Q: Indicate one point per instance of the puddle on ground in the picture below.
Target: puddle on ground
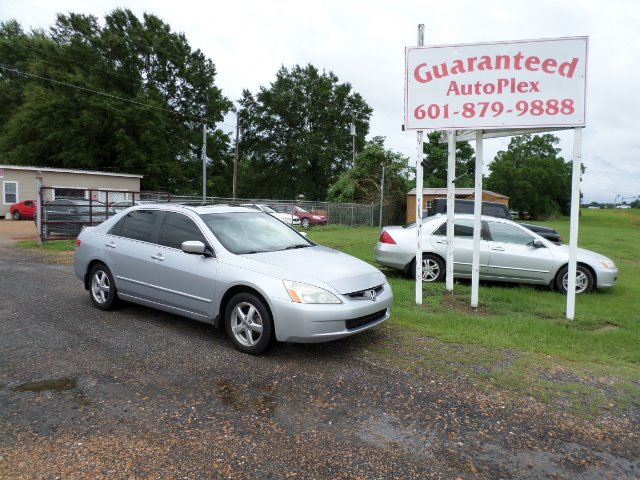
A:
(56, 385)
(387, 431)
(242, 399)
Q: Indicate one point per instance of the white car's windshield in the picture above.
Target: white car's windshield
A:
(244, 233)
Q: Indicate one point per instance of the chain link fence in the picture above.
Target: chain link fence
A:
(62, 213)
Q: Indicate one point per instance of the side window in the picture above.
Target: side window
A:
(177, 228)
(10, 192)
(501, 232)
(137, 225)
(461, 228)
(29, 203)
(494, 211)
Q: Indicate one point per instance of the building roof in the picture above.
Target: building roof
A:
(458, 191)
(68, 170)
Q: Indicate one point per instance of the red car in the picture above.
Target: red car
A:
(24, 209)
(306, 218)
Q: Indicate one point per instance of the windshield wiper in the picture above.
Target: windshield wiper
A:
(293, 247)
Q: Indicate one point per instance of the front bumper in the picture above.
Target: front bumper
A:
(606, 278)
(314, 323)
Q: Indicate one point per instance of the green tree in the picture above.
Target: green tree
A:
(532, 175)
(363, 183)
(296, 136)
(77, 118)
(435, 175)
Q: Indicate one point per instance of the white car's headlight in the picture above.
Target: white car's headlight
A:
(303, 293)
(606, 263)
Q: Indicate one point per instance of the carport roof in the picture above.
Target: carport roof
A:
(69, 170)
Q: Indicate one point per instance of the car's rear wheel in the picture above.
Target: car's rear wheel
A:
(584, 279)
(432, 268)
(249, 324)
(16, 215)
(102, 288)
(305, 223)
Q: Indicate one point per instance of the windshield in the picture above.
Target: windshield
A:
(249, 232)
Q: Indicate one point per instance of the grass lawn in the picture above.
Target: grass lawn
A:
(519, 336)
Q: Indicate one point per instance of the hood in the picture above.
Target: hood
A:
(584, 255)
(318, 264)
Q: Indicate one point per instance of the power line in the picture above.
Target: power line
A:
(109, 95)
(89, 90)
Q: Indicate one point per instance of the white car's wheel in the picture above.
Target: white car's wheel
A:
(248, 323)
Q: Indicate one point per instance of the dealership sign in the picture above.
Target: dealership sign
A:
(522, 84)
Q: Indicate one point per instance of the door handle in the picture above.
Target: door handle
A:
(498, 249)
(110, 245)
(158, 256)
(441, 241)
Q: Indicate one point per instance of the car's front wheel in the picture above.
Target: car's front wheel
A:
(305, 223)
(102, 288)
(249, 324)
(584, 279)
(16, 215)
(432, 268)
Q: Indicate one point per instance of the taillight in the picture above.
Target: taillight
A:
(78, 242)
(386, 238)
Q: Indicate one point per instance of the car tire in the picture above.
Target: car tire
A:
(102, 288)
(584, 279)
(433, 269)
(16, 215)
(305, 223)
(248, 323)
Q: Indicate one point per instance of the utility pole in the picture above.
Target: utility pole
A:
(204, 163)
(353, 136)
(235, 157)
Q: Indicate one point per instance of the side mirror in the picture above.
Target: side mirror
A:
(304, 234)
(193, 246)
(537, 243)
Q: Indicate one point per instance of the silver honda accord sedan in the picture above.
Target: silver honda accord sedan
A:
(509, 252)
(231, 266)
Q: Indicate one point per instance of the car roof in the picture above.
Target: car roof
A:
(199, 209)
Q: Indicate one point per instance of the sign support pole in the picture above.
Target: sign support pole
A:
(451, 186)
(477, 221)
(573, 230)
(419, 184)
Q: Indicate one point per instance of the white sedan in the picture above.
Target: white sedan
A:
(509, 252)
(283, 217)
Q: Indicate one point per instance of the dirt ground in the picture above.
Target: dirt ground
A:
(12, 231)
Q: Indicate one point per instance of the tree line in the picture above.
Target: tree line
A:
(129, 95)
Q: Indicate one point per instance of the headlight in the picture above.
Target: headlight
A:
(303, 293)
(606, 263)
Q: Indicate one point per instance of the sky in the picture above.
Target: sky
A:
(363, 43)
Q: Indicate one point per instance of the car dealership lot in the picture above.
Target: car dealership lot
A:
(144, 394)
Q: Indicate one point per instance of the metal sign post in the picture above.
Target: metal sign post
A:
(419, 181)
(451, 188)
(573, 229)
(477, 221)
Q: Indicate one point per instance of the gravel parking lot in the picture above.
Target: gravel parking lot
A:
(138, 393)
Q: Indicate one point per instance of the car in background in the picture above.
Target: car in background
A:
(307, 219)
(287, 218)
(509, 252)
(493, 209)
(117, 206)
(23, 209)
(68, 216)
(233, 267)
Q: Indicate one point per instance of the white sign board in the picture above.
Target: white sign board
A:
(533, 83)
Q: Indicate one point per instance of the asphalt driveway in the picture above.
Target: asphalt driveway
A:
(138, 393)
